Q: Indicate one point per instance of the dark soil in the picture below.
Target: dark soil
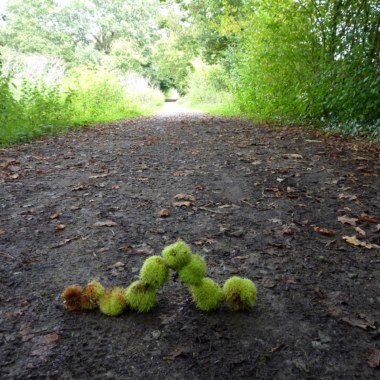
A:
(267, 203)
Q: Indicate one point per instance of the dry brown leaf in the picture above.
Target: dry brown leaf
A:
(51, 338)
(292, 156)
(12, 315)
(347, 196)
(364, 217)
(347, 220)
(360, 231)
(361, 323)
(182, 204)
(104, 175)
(324, 231)
(25, 332)
(60, 227)
(374, 358)
(277, 348)
(175, 353)
(80, 186)
(184, 197)
(267, 283)
(106, 223)
(164, 213)
(182, 173)
(353, 240)
(204, 241)
(54, 216)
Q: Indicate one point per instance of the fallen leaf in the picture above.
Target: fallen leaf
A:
(356, 322)
(60, 227)
(184, 197)
(54, 216)
(374, 358)
(364, 217)
(80, 186)
(45, 344)
(292, 156)
(182, 173)
(164, 213)
(66, 241)
(277, 348)
(324, 231)
(51, 338)
(347, 196)
(25, 332)
(347, 220)
(268, 284)
(102, 175)
(353, 240)
(117, 265)
(106, 223)
(182, 204)
(364, 169)
(179, 351)
(204, 241)
(12, 315)
(360, 231)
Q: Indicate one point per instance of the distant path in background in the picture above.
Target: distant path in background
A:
(173, 108)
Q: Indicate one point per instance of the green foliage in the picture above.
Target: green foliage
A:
(140, 296)
(239, 293)
(172, 64)
(98, 96)
(34, 107)
(154, 272)
(112, 302)
(208, 90)
(177, 255)
(207, 294)
(193, 272)
(296, 61)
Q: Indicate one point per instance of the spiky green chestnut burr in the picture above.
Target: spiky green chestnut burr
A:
(193, 272)
(154, 271)
(91, 294)
(72, 297)
(177, 255)
(112, 302)
(140, 296)
(240, 293)
(207, 294)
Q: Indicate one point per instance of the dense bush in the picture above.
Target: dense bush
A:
(305, 61)
(35, 106)
(208, 89)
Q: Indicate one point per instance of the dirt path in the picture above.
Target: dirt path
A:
(267, 203)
